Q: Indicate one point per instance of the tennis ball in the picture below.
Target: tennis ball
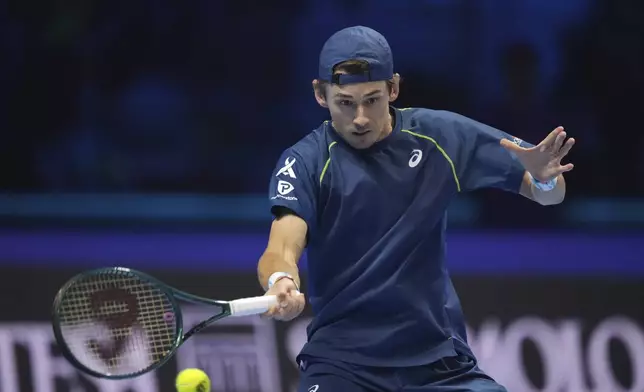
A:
(192, 380)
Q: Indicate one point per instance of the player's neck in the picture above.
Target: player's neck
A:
(386, 131)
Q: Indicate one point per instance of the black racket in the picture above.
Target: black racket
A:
(120, 323)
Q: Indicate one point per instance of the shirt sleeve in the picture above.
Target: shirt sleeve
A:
(481, 160)
(293, 187)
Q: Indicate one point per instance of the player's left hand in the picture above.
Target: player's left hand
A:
(543, 161)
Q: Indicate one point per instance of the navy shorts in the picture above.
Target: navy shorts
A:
(452, 374)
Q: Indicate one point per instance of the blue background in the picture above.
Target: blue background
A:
(144, 133)
(499, 253)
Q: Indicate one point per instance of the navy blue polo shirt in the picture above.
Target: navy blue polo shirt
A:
(377, 282)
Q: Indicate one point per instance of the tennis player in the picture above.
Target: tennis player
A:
(367, 194)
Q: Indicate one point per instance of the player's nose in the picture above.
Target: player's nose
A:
(360, 121)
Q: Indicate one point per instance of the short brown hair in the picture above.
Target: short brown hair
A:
(351, 67)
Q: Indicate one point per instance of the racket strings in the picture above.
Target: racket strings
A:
(117, 323)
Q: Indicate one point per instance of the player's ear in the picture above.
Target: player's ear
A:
(319, 89)
(394, 87)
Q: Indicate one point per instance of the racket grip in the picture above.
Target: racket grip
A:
(252, 305)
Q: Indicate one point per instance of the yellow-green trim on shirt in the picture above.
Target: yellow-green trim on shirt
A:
(442, 151)
(328, 161)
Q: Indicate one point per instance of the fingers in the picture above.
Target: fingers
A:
(566, 168)
(269, 313)
(289, 305)
(566, 148)
(548, 142)
(294, 305)
(560, 170)
(559, 141)
(281, 303)
(293, 309)
(562, 152)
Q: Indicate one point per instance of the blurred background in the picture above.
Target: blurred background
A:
(143, 134)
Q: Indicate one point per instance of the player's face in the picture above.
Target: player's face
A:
(360, 112)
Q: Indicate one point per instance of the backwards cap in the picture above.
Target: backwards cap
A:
(356, 43)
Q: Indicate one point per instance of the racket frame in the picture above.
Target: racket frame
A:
(173, 295)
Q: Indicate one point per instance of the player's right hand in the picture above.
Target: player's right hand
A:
(290, 302)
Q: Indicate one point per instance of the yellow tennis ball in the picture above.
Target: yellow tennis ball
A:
(192, 380)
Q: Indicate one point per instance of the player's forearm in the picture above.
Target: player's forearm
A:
(551, 197)
(272, 262)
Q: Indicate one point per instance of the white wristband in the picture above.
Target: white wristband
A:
(280, 275)
(544, 186)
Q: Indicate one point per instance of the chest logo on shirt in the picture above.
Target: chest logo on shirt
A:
(284, 187)
(416, 156)
(287, 169)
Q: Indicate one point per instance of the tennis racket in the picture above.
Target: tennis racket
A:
(119, 323)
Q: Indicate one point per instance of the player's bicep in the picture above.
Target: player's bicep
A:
(293, 187)
(483, 162)
(287, 237)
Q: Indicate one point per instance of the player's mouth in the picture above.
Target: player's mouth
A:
(361, 133)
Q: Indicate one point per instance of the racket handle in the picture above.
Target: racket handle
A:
(252, 305)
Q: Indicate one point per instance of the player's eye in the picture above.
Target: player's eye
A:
(346, 102)
(371, 101)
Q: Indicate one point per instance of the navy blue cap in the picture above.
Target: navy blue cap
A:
(356, 43)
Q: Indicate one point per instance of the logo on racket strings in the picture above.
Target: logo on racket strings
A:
(120, 320)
